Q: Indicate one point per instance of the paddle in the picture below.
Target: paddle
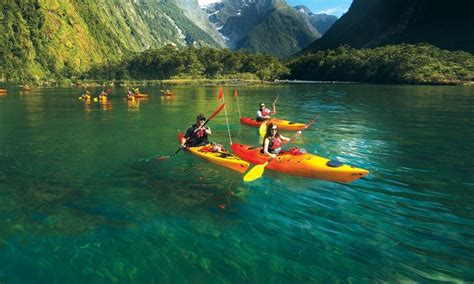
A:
(209, 119)
(275, 101)
(257, 171)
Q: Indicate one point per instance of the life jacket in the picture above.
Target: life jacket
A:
(200, 133)
(265, 112)
(274, 144)
(196, 138)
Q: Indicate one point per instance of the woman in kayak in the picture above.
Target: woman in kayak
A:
(264, 113)
(273, 141)
(196, 135)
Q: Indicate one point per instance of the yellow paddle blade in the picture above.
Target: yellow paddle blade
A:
(263, 129)
(96, 99)
(255, 172)
(79, 98)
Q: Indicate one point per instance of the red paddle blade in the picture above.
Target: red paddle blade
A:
(162, 158)
(216, 112)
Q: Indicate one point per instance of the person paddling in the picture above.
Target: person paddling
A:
(86, 95)
(103, 95)
(264, 113)
(273, 141)
(196, 135)
(130, 95)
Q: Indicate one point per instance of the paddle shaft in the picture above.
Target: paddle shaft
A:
(275, 101)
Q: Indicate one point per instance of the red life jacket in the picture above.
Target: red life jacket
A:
(276, 143)
(265, 112)
(200, 133)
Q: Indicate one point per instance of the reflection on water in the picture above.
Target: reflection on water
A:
(79, 200)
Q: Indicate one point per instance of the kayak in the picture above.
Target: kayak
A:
(282, 124)
(222, 158)
(299, 164)
(141, 96)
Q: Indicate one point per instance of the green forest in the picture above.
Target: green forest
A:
(191, 63)
(405, 64)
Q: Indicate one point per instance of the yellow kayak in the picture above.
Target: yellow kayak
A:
(222, 158)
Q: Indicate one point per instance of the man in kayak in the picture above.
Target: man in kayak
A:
(264, 113)
(196, 135)
(273, 141)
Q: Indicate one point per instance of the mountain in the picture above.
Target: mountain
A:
(370, 23)
(267, 26)
(322, 22)
(193, 12)
(42, 38)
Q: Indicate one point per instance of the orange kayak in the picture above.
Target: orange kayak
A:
(298, 164)
(282, 124)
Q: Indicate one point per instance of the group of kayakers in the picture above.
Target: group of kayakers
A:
(197, 134)
(132, 94)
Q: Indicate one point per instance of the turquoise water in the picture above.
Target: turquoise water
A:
(80, 200)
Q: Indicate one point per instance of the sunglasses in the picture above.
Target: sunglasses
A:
(262, 105)
(274, 129)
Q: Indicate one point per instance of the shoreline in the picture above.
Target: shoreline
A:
(209, 82)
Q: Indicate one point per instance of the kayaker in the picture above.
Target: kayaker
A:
(102, 95)
(86, 95)
(196, 135)
(130, 95)
(264, 113)
(273, 141)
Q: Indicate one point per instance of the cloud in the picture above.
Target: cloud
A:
(338, 11)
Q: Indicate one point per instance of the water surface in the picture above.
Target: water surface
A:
(80, 200)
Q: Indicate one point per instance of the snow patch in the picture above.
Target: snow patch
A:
(204, 3)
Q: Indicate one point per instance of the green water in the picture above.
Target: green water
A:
(80, 202)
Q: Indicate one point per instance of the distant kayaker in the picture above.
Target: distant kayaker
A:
(130, 95)
(264, 113)
(196, 135)
(273, 141)
(86, 95)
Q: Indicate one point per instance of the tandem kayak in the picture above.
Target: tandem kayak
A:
(282, 124)
(305, 165)
(222, 158)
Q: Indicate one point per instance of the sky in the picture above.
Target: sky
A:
(331, 7)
